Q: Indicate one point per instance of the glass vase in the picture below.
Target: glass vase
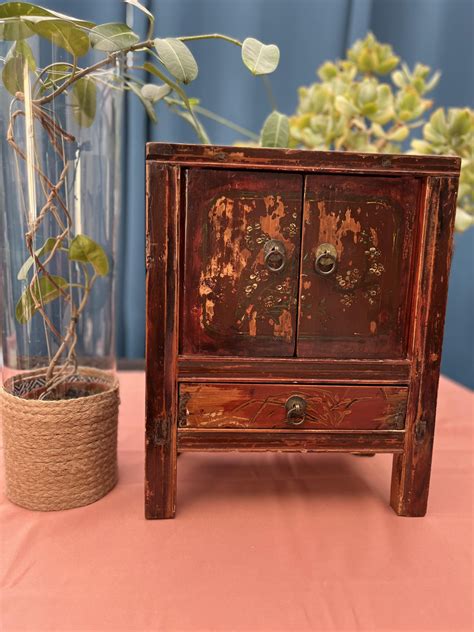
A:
(60, 189)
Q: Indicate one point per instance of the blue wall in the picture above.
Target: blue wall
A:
(435, 32)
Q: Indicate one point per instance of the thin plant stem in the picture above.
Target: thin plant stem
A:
(226, 38)
(198, 126)
(217, 118)
(270, 94)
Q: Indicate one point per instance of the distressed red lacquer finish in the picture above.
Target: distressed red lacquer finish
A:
(233, 302)
(266, 406)
(295, 301)
(360, 309)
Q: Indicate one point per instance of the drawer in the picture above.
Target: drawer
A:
(286, 406)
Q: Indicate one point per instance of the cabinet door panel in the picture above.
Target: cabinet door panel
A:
(356, 305)
(235, 301)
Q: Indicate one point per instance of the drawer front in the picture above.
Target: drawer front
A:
(242, 251)
(354, 300)
(290, 407)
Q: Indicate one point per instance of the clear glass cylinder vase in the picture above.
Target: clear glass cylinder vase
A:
(60, 190)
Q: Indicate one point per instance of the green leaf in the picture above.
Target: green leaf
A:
(459, 122)
(260, 59)
(44, 290)
(438, 122)
(463, 220)
(12, 74)
(431, 135)
(55, 74)
(147, 104)
(177, 59)
(433, 82)
(152, 69)
(112, 37)
(421, 146)
(16, 18)
(86, 250)
(142, 8)
(399, 134)
(367, 92)
(14, 29)
(327, 71)
(18, 57)
(63, 33)
(24, 49)
(150, 16)
(25, 9)
(275, 131)
(378, 130)
(45, 249)
(398, 79)
(344, 106)
(155, 93)
(84, 101)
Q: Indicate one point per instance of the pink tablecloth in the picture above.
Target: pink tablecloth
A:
(260, 542)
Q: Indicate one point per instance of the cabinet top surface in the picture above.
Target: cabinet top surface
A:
(301, 160)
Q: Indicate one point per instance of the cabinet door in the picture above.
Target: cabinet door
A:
(357, 266)
(241, 262)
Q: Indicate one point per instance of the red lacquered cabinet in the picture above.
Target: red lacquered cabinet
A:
(295, 302)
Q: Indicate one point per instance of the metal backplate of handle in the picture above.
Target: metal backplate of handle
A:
(325, 261)
(295, 410)
(275, 255)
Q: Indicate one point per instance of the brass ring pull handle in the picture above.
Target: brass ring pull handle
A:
(326, 259)
(275, 255)
(295, 410)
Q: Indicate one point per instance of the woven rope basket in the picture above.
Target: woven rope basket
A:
(60, 454)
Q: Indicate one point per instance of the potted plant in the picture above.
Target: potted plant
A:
(371, 102)
(61, 94)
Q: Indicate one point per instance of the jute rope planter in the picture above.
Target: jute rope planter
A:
(60, 454)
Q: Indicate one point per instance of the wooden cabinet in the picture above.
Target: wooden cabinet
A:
(295, 301)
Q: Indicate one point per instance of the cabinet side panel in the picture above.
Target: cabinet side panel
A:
(411, 471)
(161, 338)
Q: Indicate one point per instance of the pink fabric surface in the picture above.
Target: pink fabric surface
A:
(268, 542)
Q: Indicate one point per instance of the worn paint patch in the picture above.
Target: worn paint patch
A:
(228, 260)
(236, 288)
(374, 237)
(252, 322)
(334, 226)
(283, 328)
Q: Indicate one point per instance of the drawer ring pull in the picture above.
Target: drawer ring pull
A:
(295, 410)
(275, 255)
(326, 259)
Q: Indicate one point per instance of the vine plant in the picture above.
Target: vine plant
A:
(34, 90)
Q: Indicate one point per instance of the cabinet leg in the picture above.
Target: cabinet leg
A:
(411, 478)
(160, 488)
